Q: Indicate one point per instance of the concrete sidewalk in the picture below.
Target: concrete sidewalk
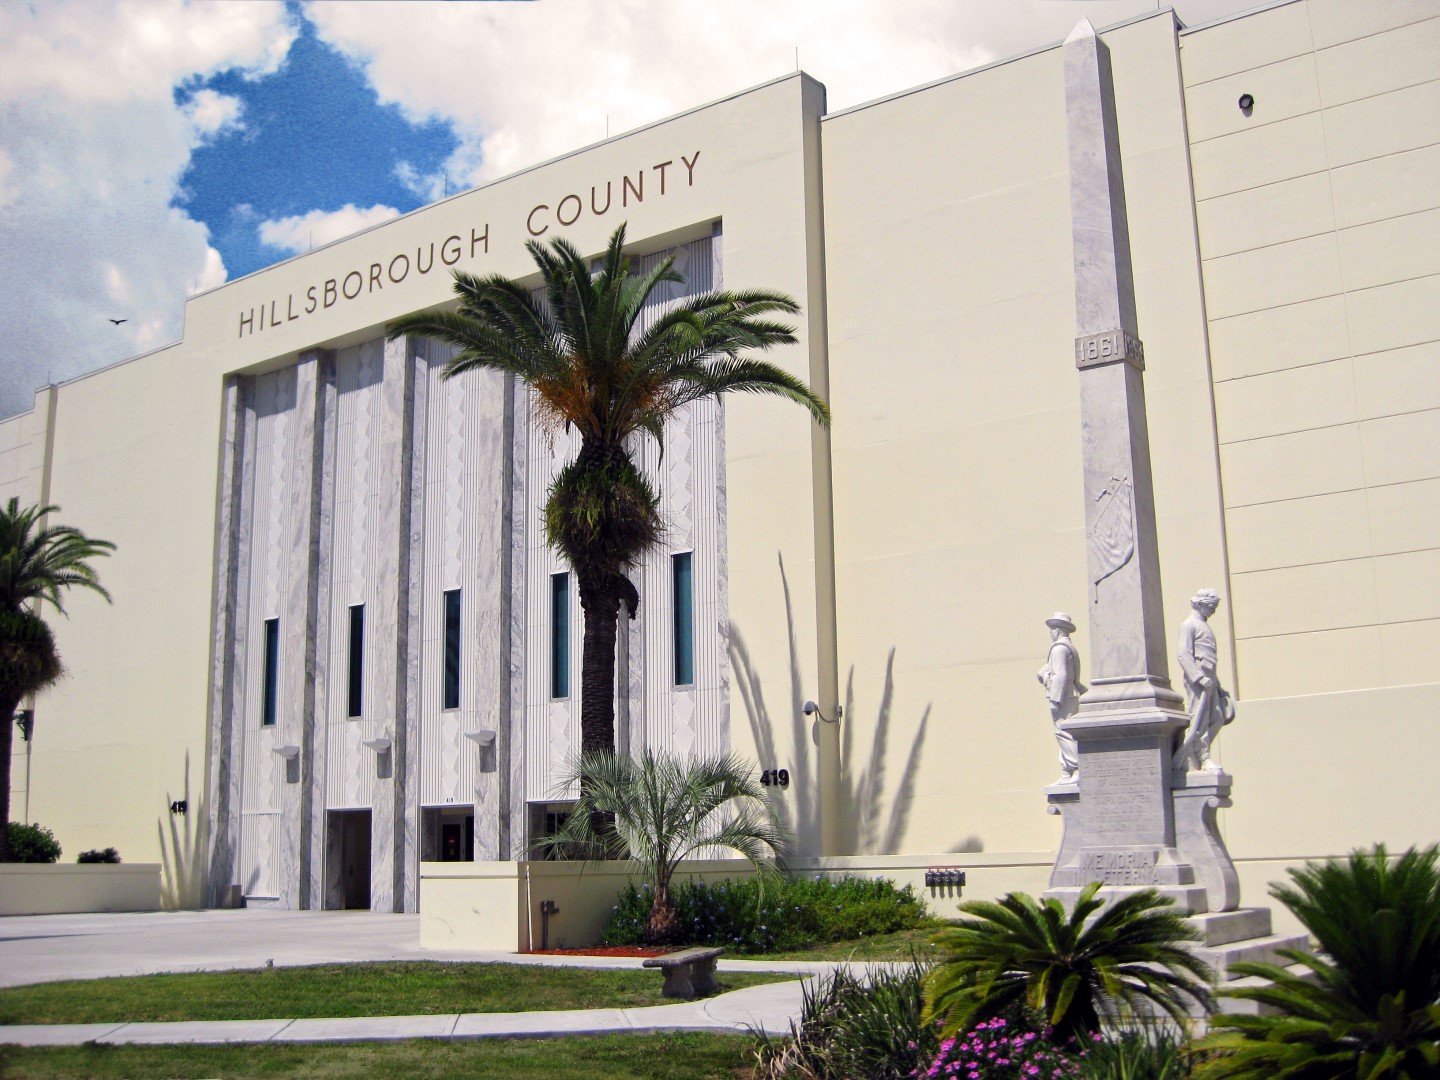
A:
(768, 1008)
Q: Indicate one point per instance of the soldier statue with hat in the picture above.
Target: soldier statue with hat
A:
(1061, 678)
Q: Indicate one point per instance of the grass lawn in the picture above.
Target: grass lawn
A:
(900, 945)
(330, 990)
(666, 1056)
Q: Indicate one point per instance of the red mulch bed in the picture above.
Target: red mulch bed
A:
(602, 950)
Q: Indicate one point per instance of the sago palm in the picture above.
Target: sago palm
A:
(1369, 1005)
(1070, 968)
(592, 368)
(37, 565)
(659, 808)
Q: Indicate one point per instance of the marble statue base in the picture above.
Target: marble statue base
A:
(1196, 871)
(1196, 797)
(1121, 815)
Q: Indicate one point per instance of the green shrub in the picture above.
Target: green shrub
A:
(749, 916)
(1137, 1052)
(33, 843)
(1369, 1004)
(852, 1028)
(96, 855)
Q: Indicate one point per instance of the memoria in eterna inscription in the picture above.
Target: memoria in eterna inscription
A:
(1120, 867)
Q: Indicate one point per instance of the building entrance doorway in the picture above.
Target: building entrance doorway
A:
(348, 852)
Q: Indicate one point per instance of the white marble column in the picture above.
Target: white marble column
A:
(409, 644)
(310, 542)
(227, 651)
(390, 626)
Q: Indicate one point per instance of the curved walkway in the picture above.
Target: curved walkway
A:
(47, 948)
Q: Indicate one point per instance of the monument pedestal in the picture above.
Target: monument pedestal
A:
(1130, 822)
(1120, 818)
(1196, 796)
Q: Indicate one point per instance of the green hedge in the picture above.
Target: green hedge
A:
(789, 913)
(33, 843)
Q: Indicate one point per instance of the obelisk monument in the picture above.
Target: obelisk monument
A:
(1119, 819)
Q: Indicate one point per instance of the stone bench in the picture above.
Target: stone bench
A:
(689, 973)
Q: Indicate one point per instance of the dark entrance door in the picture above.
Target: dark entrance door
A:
(350, 845)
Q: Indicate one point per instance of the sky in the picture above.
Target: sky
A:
(153, 149)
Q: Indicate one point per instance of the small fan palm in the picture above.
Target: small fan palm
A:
(37, 564)
(659, 808)
(1071, 969)
(1369, 1006)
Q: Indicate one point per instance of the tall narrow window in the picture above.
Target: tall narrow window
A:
(452, 649)
(272, 673)
(559, 635)
(357, 661)
(682, 572)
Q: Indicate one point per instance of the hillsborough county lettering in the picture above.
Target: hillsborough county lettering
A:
(452, 249)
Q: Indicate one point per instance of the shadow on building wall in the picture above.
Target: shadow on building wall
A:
(863, 791)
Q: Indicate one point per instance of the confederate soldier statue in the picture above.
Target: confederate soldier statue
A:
(1061, 678)
(1210, 706)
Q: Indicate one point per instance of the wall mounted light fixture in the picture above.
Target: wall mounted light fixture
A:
(811, 709)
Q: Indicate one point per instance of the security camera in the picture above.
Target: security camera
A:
(809, 708)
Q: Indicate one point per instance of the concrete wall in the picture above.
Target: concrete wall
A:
(959, 512)
(496, 905)
(1319, 221)
(1319, 216)
(60, 889)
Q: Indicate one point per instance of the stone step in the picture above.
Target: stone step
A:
(1245, 1007)
(1225, 927)
(1263, 950)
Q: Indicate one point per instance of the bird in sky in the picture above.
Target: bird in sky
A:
(117, 322)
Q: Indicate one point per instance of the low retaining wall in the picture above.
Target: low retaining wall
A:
(497, 905)
(71, 888)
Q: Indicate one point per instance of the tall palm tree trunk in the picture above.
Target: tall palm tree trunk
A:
(9, 702)
(600, 602)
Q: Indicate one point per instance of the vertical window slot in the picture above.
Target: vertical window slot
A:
(357, 661)
(452, 649)
(270, 698)
(682, 572)
(559, 635)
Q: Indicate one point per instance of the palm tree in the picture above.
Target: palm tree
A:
(1072, 970)
(1371, 1006)
(659, 808)
(590, 367)
(37, 563)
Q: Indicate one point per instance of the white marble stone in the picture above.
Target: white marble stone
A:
(1120, 827)
(1198, 796)
(220, 819)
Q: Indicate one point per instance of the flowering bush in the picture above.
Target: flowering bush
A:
(1001, 1049)
(790, 913)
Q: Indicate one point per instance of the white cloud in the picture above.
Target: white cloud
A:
(307, 231)
(211, 113)
(96, 146)
(520, 83)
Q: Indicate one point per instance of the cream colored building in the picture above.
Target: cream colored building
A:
(283, 466)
